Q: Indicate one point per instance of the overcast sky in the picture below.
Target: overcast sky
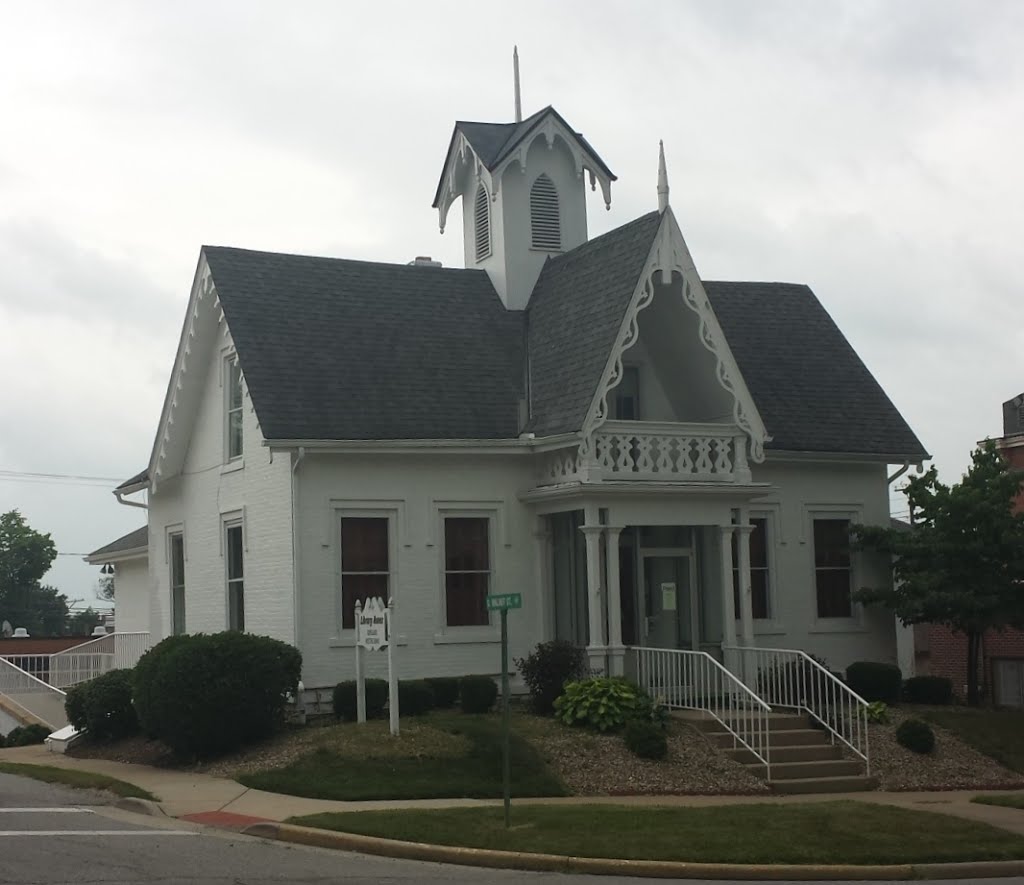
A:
(869, 149)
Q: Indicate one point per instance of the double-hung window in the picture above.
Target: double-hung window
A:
(365, 563)
(177, 558)
(467, 570)
(760, 580)
(233, 402)
(833, 572)
(233, 549)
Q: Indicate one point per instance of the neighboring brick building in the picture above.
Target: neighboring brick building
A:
(944, 653)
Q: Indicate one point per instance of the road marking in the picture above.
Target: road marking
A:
(97, 833)
(37, 810)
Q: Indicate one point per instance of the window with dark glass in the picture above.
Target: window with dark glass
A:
(627, 395)
(760, 600)
(234, 410)
(832, 567)
(177, 583)
(364, 563)
(467, 570)
(236, 579)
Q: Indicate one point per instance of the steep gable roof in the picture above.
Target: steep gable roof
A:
(811, 388)
(333, 349)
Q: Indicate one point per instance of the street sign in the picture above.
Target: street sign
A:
(500, 601)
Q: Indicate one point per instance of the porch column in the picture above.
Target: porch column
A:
(596, 649)
(728, 609)
(541, 577)
(743, 531)
(616, 651)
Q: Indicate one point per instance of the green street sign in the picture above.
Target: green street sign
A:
(498, 601)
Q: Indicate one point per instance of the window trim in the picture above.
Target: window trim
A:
(773, 625)
(469, 633)
(230, 360)
(228, 523)
(558, 211)
(346, 636)
(855, 621)
(172, 532)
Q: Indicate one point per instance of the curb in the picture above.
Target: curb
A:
(140, 806)
(652, 869)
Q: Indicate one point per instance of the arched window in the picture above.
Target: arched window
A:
(482, 223)
(545, 221)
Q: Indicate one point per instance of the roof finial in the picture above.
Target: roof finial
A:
(662, 179)
(515, 77)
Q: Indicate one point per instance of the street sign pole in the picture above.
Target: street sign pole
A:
(506, 766)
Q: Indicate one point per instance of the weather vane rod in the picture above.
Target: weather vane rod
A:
(515, 78)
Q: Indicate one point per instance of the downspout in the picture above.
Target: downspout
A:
(121, 500)
(898, 473)
(300, 455)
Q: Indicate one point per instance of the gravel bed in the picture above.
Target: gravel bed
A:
(952, 765)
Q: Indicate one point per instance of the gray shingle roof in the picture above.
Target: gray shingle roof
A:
(333, 349)
(141, 476)
(575, 313)
(812, 390)
(132, 541)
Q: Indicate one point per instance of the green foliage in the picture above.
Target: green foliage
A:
(928, 690)
(415, 697)
(26, 735)
(645, 739)
(548, 668)
(916, 735)
(25, 556)
(600, 702)
(82, 623)
(208, 694)
(106, 706)
(346, 703)
(446, 691)
(874, 681)
(146, 673)
(961, 563)
(477, 694)
(75, 703)
(878, 712)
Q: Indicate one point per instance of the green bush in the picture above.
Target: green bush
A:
(143, 676)
(916, 735)
(107, 706)
(548, 668)
(928, 690)
(210, 693)
(874, 681)
(477, 694)
(26, 735)
(75, 705)
(345, 703)
(600, 702)
(446, 690)
(415, 697)
(645, 739)
(878, 712)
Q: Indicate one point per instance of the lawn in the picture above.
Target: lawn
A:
(72, 778)
(443, 755)
(829, 833)
(999, 734)
(1010, 800)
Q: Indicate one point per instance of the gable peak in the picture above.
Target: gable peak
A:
(662, 179)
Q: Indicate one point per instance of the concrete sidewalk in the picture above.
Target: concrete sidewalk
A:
(189, 793)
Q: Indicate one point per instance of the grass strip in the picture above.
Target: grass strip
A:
(1009, 800)
(994, 733)
(71, 777)
(330, 773)
(844, 832)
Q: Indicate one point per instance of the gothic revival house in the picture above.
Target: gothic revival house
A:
(652, 459)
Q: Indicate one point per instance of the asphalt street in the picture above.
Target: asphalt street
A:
(51, 836)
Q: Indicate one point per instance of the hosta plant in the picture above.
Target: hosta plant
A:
(878, 712)
(602, 703)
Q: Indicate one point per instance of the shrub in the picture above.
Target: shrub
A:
(645, 739)
(107, 706)
(26, 735)
(143, 676)
(75, 703)
(928, 690)
(916, 735)
(600, 702)
(207, 694)
(415, 697)
(446, 690)
(345, 703)
(547, 669)
(878, 712)
(477, 694)
(874, 681)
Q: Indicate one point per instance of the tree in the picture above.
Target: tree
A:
(105, 588)
(83, 622)
(25, 556)
(961, 564)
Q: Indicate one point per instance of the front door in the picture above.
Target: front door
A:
(670, 621)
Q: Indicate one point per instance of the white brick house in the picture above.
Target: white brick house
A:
(650, 458)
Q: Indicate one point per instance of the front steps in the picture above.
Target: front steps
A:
(803, 758)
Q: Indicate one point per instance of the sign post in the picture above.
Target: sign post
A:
(372, 622)
(392, 670)
(503, 602)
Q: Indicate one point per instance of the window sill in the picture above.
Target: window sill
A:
(350, 641)
(763, 628)
(232, 466)
(472, 635)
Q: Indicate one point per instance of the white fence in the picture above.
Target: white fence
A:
(786, 677)
(115, 651)
(693, 680)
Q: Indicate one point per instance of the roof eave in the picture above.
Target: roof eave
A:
(879, 457)
(100, 558)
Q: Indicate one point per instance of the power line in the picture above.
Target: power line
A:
(56, 478)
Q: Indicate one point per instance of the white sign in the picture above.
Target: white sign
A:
(371, 629)
(668, 597)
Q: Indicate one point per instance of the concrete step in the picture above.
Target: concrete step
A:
(776, 721)
(797, 737)
(786, 771)
(811, 753)
(848, 784)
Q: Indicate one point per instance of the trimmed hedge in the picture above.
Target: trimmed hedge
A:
(103, 706)
(446, 690)
(27, 735)
(916, 735)
(875, 682)
(208, 694)
(415, 697)
(346, 704)
(645, 739)
(144, 674)
(928, 690)
(548, 668)
(477, 694)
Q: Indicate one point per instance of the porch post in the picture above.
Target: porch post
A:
(544, 592)
(596, 649)
(728, 609)
(746, 599)
(616, 651)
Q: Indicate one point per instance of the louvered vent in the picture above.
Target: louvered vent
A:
(545, 223)
(482, 223)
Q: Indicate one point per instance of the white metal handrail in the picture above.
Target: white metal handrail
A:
(787, 677)
(81, 663)
(15, 681)
(693, 680)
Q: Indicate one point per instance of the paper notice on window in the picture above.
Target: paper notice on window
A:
(668, 597)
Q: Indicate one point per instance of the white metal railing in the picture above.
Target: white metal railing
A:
(786, 677)
(81, 663)
(693, 680)
(14, 682)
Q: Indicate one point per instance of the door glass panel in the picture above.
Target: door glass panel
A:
(667, 602)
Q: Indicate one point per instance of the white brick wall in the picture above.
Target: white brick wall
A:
(132, 595)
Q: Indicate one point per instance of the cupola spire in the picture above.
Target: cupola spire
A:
(515, 80)
(662, 179)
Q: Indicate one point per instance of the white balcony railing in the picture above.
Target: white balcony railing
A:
(648, 450)
(61, 670)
